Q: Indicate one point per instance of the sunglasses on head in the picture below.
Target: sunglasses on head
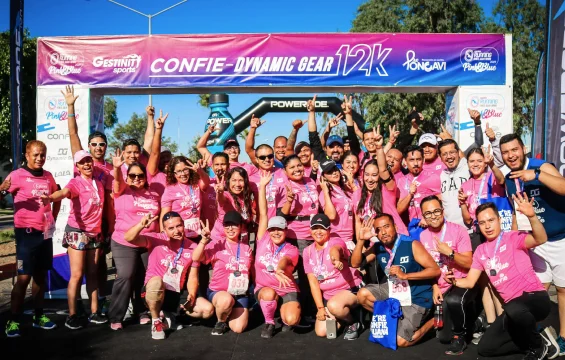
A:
(265, 157)
(169, 215)
(93, 144)
(136, 176)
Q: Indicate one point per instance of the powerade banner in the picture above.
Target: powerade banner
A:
(16, 56)
(274, 60)
(555, 92)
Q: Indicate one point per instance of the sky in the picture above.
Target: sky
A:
(187, 118)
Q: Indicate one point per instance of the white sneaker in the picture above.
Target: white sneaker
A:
(158, 330)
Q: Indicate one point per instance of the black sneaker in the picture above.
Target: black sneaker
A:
(538, 354)
(73, 322)
(268, 331)
(352, 331)
(549, 341)
(457, 345)
(286, 328)
(97, 318)
(220, 328)
(477, 336)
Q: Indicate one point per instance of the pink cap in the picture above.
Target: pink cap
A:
(81, 154)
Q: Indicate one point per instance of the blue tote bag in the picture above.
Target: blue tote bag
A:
(385, 322)
(503, 205)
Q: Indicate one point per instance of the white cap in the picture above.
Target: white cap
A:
(427, 138)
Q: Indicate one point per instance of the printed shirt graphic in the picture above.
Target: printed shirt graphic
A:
(342, 225)
(209, 210)
(86, 205)
(301, 206)
(265, 257)
(435, 167)
(222, 254)
(428, 184)
(183, 199)
(471, 188)
(130, 207)
(388, 204)
(272, 190)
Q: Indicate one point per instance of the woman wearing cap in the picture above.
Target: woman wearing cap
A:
(231, 260)
(234, 195)
(132, 200)
(274, 265)
(333, 283)
(82, 236)
(185, 184)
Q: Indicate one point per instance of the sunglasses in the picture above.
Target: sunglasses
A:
(169, 215)
(136, 176)
(102, 144)
(265, 157)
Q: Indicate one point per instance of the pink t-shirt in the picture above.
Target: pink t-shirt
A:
(279, 180)
(187, 201)
(209, 210)
(428, 184)
(87, 201)
(342, 225)
(157, 182)
(318, 262)
(472, 186)
(457, 238)
(388, 207)
(307, 171)
(305, 204)
(268, 254)
(251, 169)
(27, 189)
(162, 254)
(222, 254)
(514, 271)
(130, 207)
(435, 167)
(227, 206)
(102, 172)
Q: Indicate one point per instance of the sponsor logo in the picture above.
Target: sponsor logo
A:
(427, 65)
(296, 104)
(404, 259)
(62, 173)
(57, 136)
(59, 158)
(489, 105)
(44, 127)
(63, 151)
(479, 59)
(125, 64)
(65, 63)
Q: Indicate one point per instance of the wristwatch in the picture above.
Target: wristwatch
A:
(537, 171)
(452, 255)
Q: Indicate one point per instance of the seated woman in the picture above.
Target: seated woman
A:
(333, 283)
(231, 261)
(274, 265)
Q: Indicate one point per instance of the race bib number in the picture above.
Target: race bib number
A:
(192, 225)
(49, 228)
(172, 281)
(400, 290)
(238, 284)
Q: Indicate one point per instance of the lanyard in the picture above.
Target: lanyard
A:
(95, 192)
(393, 253)
(231, 252)
(192, 197)
(177, 256)
(481, 187)
(443, 231)
(497, 245)
(308, 190)
(319, 261)
(367, 209)
(519, 185)
(278, 250)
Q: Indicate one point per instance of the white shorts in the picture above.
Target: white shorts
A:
(548, 261)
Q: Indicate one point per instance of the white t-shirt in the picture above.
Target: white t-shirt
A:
(450, 184)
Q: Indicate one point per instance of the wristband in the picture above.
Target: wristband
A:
(387, 180)
(69, 115)
(537, 171)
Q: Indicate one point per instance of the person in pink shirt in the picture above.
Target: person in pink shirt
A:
(132, 200)
(220, 166)
(333, 283)
(265, 158)
(159, 159)
(350, 168)
(505, 260)
(170, 270)
(450, 247)
(232, 265)
(34, 224)
(185, 184)
(432, 162)
(235, 194)
(83, 236)
(417, 184)
(275, 261)
(304, 153)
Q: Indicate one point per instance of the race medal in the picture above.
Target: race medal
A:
(350, 213)
(270, 268)
(367, 217)
(387, 270)
(313, 206)
(172, 278)
(439, 264)
(270, 199)
(174, 270)
(320, 277)
(194, 210)
(492, 272)
(237, 273)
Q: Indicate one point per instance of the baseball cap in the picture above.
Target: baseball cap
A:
(327, 165)
(81, 154)
(334, 139)
(231, 142)
(345, 139)
(427, 138)
(299, 146)
(165, 149)
(277, 222)
(320, 220)
(233, 217)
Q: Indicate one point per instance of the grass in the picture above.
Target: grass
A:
(7, 236)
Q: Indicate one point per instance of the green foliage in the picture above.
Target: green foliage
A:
(193, 153)
(203, 100)
(28, 91)
(110, 112)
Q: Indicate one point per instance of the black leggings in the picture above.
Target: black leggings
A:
(516, 330)
(306, 301)
(458, 312)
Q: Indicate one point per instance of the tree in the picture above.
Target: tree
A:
(28, 91)
(193, 153)
(135, 129)
(421, 16)
(110, 112)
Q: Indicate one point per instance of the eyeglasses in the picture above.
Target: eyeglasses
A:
(102, 144)
(136, 176)
(429, 214)
(183, 171)
(450, 153)
(265, 157)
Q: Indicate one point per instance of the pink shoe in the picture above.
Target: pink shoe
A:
(116, 326)
(144, 318)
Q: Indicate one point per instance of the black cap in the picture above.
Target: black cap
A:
(299, 146)
(233, 217)
(320, 220)
(345, 139)
(231, 142)
(97, 134)
(327, 165)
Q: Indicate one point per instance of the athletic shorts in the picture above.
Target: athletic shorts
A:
(413, 316)
(548, 261)
(354, 290)
(78, 240)
(171, 301)
(33, 252)
(291, 296)
(241, 301)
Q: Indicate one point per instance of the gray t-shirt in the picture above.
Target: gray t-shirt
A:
(450, 184)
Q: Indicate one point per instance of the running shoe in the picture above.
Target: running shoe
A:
(104, 306)
(73, 322)
(561, 344)
(97, 318)
(457, 345)
(547, 334)
(144, 318)
(477, 336)
(158, 330)
(352, 331)
(116, 326)
(220, 328)
(268, 331)
(43, 322)
(286, 328)
(12, 329)
(538, 354)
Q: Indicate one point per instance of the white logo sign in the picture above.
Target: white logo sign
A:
(65, 63)
(427, 65)
(479, 59)
(125, 64)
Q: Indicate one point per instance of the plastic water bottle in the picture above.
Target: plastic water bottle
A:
(438, 317)
(220, 116)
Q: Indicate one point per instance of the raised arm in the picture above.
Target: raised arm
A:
(149, 130)
(250, 140)
(119, 185)
(263, 218)
(347, 108)
(153, 162)
(70, 99)
(132, 235)
(462, 197)
(291, 142)
(549, 176)
(526, 207)
(329, 208)
(495, 143)
(489, 158)
(204, 179)
(201, 144)
(198, 253)
(392, 137)
(384, 174)
(313, 137)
